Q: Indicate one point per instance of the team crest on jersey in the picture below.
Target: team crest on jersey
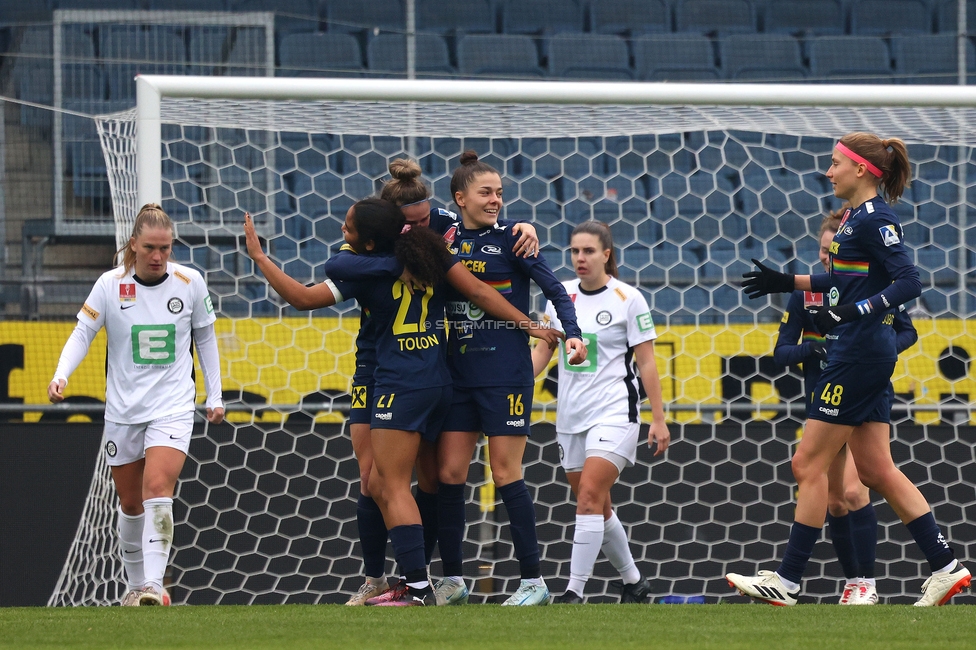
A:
(175, 305)
(466, 249)
(127, 292)
(111, 449)
(604, 317)
(890, 235)
(811, 299)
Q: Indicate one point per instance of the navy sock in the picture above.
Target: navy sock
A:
(840, 535)
(450, 526)
(929, 538)
(408, 544)
(372, 536)
(798, 551)
(521, 517)
(864, 535)
(427, 504)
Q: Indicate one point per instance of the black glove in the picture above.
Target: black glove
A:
(830, 317)
(757, 284)
(818, 351)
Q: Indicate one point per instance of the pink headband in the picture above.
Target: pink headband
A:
(859, 159)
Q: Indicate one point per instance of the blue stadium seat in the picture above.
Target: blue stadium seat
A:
(674, 57)
(320, 54)
(761, 56)
(589, 56)
(850, 59)
(387, 53)
(715, 16)
(884, 17)
(541, 16)
(365, 17)
(101, 4)
(819, 17)
(189, 5)
(629, 17)
(930, 58)
(947, 15)
(454, 16)
(498, 55)
(290, 15)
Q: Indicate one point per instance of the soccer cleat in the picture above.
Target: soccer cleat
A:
(529, 594)
(940, 587)
(850, 588)
(167, 601)
(371, 588)
(767, 587)
(394, 592)
(131, 598)
(409, 597)
(568, 598)
(148, 596)
(639, 592)
(451, 591)
(865, 594)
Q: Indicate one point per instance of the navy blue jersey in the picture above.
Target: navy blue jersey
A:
(365, 340)
(869, 266)
(483, 351)
(409, 327)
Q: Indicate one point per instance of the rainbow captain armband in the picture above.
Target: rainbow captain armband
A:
(864, 307)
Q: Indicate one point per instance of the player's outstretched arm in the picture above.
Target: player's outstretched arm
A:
(72, 355)
(647, 365)
(294, 292)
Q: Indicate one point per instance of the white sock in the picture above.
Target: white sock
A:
(790, 586)
(949, 567)
(130, 543)
(871, 581)
(617, 549)
(587, 539)
(157, 539)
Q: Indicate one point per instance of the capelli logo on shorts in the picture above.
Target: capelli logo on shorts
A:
(516, 423)
(384, 416)
(830, 412)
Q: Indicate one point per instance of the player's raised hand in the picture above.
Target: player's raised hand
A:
(254, 249)
(527, 244)
(215, 415)
(575, 351)
(55, 391)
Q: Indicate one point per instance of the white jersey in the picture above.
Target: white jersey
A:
(603, 389)
(149, 336)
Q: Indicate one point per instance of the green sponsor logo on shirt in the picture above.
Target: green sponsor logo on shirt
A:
(209, 304)
(645, 323)
(153, 345)
(591, 356)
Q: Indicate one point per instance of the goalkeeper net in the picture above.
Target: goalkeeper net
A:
(695, 180)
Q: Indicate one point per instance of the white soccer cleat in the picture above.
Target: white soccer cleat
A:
(131, 598)
(865, 594)
(167, 601)
(148, 597)
(529, 594)
(850, 589)
(371, 588)
(766, 587)
(940, 587)
(451, 591)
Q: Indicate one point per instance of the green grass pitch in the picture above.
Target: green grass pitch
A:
(598, 627)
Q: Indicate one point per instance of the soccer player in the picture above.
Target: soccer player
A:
(871, 273)
(491, 367)
(850, 513)
(153, 312)
(412, 384)
(597, 422)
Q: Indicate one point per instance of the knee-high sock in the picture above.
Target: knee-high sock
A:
(157, 538)
(864, 535)
(130, 543)
(587, 539)
(521, 518)
(798, 551)
(372, 536)
(408, 544)
(617, 549)
(840, 535)
(427, 504)
(450, 526)
(930, 539)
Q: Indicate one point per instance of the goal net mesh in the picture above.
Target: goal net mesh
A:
(266, 506)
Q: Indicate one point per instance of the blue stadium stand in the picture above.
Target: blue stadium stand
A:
(629, 17)
(930, 59)
(886, 17)
(766, 57)
(365, 17)
(449, 17)
(100, 4)
(498, 55)
(217, 50)
(715, 17)
(947, 15)
(190, 5)
(152, 50)
(805, 17)
(387, 54)
(850, 59)
(589, 56)
(674, 57)
(541, 17)
(320, 54)
(290, 15)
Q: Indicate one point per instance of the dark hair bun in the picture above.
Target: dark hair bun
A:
(469, 157)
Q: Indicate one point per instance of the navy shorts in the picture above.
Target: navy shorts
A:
(853, 393)
(494, 410)
(421, 410)
(362, 397)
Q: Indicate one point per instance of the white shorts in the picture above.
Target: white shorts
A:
(616, 443)
(127, 443)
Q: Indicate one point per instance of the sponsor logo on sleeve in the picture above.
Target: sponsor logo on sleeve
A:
(890, 235)
(208, 304)
(88, 311)
(644, 322)
(182, 277)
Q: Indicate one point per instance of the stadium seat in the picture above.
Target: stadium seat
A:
(589, 56)
(947, 15)
(930, 58)
(808, 17)
(850, 59)
(715, 16)
(189, 5)
(365, 17)
(290, 15)
(629, 17)
(498, 55)
(761, 56)
(885, 17)
(387, 53)
(674, 57)
(100, 4)
(138, 44)
(456, 16)
(541, 16)
(320, 54)
(19, 11)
